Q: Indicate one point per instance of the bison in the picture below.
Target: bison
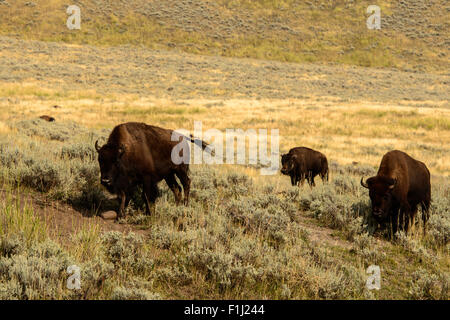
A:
(47, 118)
(140, 154)
(302, 162)
(401, 184)
(294, 166)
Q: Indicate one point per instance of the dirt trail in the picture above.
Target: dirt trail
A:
(63, 221)
(319, 234)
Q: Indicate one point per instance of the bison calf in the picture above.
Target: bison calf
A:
(401, 184)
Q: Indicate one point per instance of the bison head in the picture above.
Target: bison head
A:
(109, 157)
(380, 193)
(288, 163)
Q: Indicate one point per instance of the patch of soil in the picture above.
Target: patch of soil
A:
(319, 234)
(63, 221)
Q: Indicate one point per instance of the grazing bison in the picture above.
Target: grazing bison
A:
(302, 162)
(401, 184)
(140, 154)
(47, 118)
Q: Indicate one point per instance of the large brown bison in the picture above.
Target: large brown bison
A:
(401, 184)
(140, 154)
(304, 163)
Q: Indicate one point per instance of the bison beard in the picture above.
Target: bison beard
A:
(139, 154)
(401, 184)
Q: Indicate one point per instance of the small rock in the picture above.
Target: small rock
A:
(109, 215)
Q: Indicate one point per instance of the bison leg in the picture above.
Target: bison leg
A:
(150, 195)
(302, 179)
(405, 214)
(425, 205)
(175, 187)
(297, 177)
(299, 180)
(394, 226)
(406, 218)
(400, 219)
(324, 176)
(392, 222)
(412, 218)
(186, 182)
(293, 180)
(122, 197)
(313, 184)
(308, 178)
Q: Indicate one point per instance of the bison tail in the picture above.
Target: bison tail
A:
(202, 144)
(325, 168)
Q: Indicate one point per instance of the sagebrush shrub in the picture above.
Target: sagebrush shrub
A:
(33, 273)
(65, 166)
(426, 285)
(122, 293)
(126, 252)
(60, 131)
(80, 150)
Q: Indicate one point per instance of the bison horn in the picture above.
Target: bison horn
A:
(121, 150)
(96, 146)
(364, 184)
(393, 184)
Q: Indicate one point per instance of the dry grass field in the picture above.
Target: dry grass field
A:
(244, 235)
(414, 34)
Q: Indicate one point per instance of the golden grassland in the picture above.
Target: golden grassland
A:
(344, 131)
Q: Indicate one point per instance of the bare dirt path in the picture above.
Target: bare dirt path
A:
(63, 221)
(319, 234)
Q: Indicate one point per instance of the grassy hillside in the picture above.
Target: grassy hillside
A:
(243, 236)
(414, 34)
